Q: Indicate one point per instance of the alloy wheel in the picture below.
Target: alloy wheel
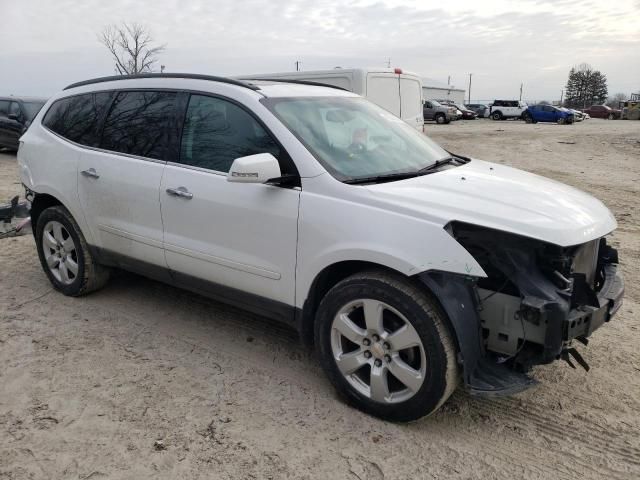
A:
(378, 351)
(60, 252)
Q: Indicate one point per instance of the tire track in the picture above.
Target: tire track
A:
(558, 430)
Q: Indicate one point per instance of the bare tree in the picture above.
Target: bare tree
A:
(131, 47)
(614, 101)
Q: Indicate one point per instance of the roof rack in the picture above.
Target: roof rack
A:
(300, 82)
(194, 76)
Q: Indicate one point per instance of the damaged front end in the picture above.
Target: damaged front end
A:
(536, 300)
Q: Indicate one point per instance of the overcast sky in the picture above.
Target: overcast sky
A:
(46, 44)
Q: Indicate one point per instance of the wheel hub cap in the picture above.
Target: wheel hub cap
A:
(60, 252)
(378, 351)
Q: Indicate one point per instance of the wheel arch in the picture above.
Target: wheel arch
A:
(40, 202)
(335, 273)
(45, 199)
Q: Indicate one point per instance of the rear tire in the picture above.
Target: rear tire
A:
(384, 344)
(610, 117)
(64, 254)
(496, 116)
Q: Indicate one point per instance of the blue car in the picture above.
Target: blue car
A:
(547, 113)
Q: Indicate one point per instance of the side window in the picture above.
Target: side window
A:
(14, 109)
(4, 108)
(138, 123)
(216, 132)
(76, 118)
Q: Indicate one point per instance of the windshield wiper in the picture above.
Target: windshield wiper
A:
(390, 177)
(387, 177)
(443, 161)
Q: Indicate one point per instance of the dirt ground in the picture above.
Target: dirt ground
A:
(88, 385)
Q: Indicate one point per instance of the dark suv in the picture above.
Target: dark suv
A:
(16, 114)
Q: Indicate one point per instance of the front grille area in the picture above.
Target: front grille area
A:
(585, 261)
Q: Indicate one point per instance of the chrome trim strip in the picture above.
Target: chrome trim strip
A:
(197, 169)
(130, 236)
(261, 272)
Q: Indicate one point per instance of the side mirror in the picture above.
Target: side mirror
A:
(257, 168)
(14, 116)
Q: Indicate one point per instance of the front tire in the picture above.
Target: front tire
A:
(610, 117)
(528, 118)
(440, 119)
(385, 346)
(64, 254)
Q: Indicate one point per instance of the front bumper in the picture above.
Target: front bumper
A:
(584, 320)
(553, 296)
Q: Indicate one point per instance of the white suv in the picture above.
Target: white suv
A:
(503, 109)
(411, 269)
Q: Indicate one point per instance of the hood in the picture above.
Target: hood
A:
(502, 198)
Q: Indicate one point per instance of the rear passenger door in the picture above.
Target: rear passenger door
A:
(119, 181)
(383, 89)
(229, 239)
(411, 102)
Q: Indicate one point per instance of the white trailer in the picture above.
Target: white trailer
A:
(396, 91)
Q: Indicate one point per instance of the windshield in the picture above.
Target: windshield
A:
(435, 103)
(32, 109)
(353, 138)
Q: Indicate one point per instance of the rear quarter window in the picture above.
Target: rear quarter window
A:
(76, 118)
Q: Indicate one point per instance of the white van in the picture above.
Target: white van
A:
(393, 89)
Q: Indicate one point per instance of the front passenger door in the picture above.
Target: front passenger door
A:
(227, 239)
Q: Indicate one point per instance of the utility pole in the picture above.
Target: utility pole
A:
(162, 67)
(298, 63)
(561, 96)
(470, 87)
(389, 62)
(449, 80)
(521, 85)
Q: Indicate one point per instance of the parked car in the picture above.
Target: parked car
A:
(449, 103)
(578, 116)
(603, 111)
(16, 114)
(394, 89)
(433, 110)
(547, 113)
(481, 110)
(400, 261)
(504, 109)
(467, 114)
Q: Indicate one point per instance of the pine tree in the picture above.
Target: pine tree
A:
(585, 87)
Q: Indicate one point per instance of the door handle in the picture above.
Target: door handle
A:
(180, 192)
(91, 172)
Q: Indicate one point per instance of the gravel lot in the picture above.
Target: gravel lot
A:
(88, 385)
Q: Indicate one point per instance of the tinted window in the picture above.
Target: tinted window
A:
(76, 118)
(14, 109)
(4, 108)
(216, 132)
(138, 122)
